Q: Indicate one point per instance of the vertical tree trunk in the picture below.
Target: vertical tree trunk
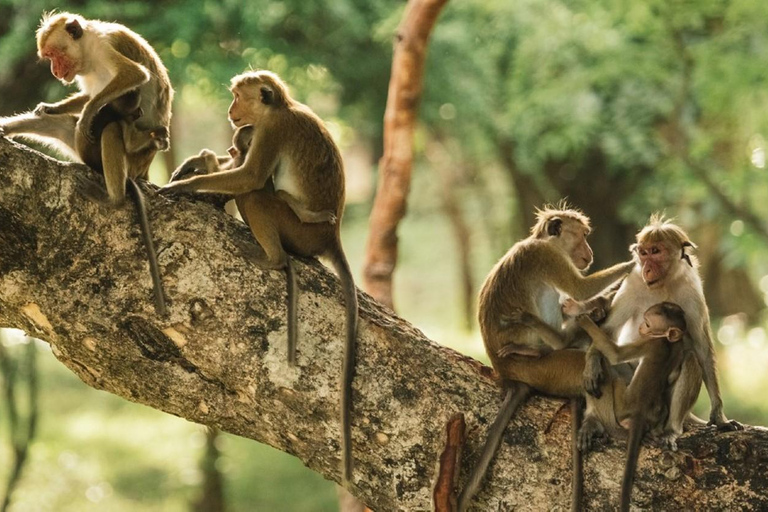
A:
(405, 88)
(21, 431)
(212, 491)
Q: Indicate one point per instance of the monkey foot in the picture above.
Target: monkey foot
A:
(590, 429)
(668, 442)
(92, 188)
(729, 426)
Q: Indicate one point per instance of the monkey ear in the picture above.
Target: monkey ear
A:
(674, 334)
(633, 248)
(74, 29)
(554, 226)
(684, 255)
(267, 95)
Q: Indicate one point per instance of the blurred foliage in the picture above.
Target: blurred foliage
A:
(626, 107)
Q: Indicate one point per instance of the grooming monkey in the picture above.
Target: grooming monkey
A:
(664, 271)
(118, 120)
(291, 152)
(208, 162)
(644, 404)
(530, 278)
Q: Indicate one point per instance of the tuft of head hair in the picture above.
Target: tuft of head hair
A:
(661, 229)
(53, 20)
(551, 213)
(272, 89)
(672, 312)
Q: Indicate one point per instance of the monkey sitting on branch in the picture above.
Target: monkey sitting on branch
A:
(118, 120)
(530, 278)
(292, 158)
(665, 271)
(208, 162)
(643, 405)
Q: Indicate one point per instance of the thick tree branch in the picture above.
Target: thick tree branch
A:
(74, 275)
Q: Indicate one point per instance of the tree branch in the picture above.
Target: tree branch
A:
(74, 275)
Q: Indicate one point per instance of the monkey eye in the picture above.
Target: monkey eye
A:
(655, 250)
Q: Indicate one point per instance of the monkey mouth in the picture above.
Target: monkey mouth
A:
(651, 284)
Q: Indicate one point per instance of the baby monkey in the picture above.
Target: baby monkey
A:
(643, 405)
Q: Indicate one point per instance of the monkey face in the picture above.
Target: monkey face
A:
(653, 326)
(245, 106)
(655, 259)
(63, 67)
(574, 241)
(61, 43)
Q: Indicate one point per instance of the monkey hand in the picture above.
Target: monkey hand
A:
(593, 375)
(513, 349)
(515, 316)
(43, 109)
(585, 321)
(176, 187)
(85, 127)
(572, 307)
(186, 171)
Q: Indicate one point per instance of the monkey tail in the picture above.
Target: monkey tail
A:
(514, 397)
(341, 265)
(636, 432)
(146, 234)
(292, 291)
(577, 476)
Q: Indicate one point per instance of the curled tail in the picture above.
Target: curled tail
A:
(636, 432)
(514, 397)
(146, 235)
(340, 264)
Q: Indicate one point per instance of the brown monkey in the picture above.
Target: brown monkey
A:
(208, 162)
(664, 271)
(291, 151)
(530, 277)
(644, 404)
(118, 120)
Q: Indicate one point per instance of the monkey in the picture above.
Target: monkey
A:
(530, 277)
(118, 120)
(291, 150)
(664, 271)
(208, 162)
(643, 404)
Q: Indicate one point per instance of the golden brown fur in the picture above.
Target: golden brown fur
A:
(116, 122)
(292, 164)
(643, 404)
(528, 280)
(665, 272)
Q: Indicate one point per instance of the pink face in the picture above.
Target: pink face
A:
(62, 67)
(655, 260)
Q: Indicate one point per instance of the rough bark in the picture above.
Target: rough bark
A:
(74, 275)
(405, 86)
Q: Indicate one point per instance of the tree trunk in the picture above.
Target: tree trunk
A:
(405, 86)
(74, 274)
